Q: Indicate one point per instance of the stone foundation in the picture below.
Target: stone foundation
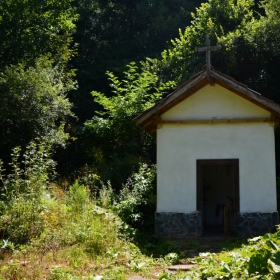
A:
(181, 225)
(178, 225)
(255, 224)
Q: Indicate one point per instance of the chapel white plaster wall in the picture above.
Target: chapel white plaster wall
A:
(214, 102)
(179, 146)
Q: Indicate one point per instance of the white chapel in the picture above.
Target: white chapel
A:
(215, 158)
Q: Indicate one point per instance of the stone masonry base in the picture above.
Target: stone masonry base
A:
(255, 224)
(178, 225)
(181, 225)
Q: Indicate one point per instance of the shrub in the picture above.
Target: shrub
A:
(137, 200)
(81, 223)
(260, 259)
(111, 141)
(21, 195)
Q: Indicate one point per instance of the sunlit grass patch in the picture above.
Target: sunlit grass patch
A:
(79, 239)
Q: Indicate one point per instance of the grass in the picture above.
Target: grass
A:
(49, 233)
(259, 258)
(82, 239)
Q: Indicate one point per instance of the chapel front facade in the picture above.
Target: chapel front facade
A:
(215, 159)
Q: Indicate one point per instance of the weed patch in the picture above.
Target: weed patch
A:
(78, 240)
(259, 259)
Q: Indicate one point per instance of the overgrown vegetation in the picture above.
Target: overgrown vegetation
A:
(111, 34)
(137, 200)
(259, 259)
(33, 104)
(21, 204)
(89, 221)
(42, 225)
(120, 147)
(51, 233)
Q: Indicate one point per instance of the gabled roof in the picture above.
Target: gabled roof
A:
(148, 119)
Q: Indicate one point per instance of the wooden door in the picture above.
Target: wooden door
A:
(200, 191)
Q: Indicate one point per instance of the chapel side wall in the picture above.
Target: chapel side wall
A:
(179, 146)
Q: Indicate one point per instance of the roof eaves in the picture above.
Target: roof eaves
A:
(232, 79)
(232, 83)
(145, 119)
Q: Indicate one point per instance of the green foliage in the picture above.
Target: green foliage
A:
(248, 32)
(6, 244)
(218, 19)
(84, 224)
(29, 177)
(87, 176)
(21, 203)
(22, 220)
(60, 273)
(172, 258)
(30, 29)
(137, 199)
(112, 142)
(89, 237)
(257, 260)
(35, 47)
(78, 199)
(33, 104)
(111, 34)
(135, 93)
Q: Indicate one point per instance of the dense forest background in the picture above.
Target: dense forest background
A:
(77, 176)
(160, 38)
(73, 74)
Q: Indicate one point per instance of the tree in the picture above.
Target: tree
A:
(215, 18)
(112, 33)
(33, 104)
(256, 52)
(114, 145)
(29, 29)
(35, 47)
(248, 32)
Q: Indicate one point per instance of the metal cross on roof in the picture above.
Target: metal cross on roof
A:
(208, 48)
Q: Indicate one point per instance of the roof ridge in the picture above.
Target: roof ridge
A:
(146, 119)
(234, 80)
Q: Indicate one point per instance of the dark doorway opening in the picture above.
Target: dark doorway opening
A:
(217, 194)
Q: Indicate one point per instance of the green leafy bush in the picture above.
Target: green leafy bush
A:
(78, 199)
(81, 223)
(87, 176)
(21, 204)
(137, 199)
(260, 259)
(112, 143)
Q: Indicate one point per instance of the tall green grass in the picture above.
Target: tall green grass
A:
(51, 233)
(78, 239)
